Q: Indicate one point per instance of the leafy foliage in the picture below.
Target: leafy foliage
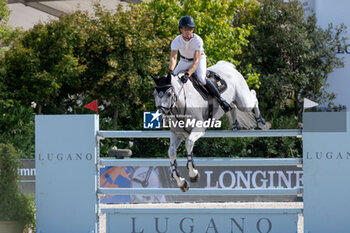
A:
(16, 121)
(214, 23)
(14, 205)
(129, 50)
(44, 67)
(109, 56)
(17, 127)
(7, 34)
(293, 55)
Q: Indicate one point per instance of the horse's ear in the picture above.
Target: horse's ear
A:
(155, 78)
(167, 79)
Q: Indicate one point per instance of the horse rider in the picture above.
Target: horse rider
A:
(192, 58)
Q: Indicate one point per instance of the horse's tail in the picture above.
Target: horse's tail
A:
(246, 120)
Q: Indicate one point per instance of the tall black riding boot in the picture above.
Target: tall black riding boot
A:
(215, 92)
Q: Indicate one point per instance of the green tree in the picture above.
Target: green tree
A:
(125, 49)
(16, 121)
(294, 58)
(214, 23)
(293, 55)
(71, 61)
(110, 56)
(64, 63)
(7, 34)
(14, 205)
(17, 127)
(43, 67)
(68, 62)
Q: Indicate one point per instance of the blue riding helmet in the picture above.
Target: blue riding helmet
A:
(186, 21)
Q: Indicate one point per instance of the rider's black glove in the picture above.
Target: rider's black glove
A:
(185, 77)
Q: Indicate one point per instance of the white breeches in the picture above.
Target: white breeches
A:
(200, 71)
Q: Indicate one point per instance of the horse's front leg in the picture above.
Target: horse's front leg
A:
(262, 124)
(192, 138)
(175, 141)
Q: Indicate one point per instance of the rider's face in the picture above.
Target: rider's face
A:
(187, 33)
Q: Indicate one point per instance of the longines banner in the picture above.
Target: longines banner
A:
(211, 177)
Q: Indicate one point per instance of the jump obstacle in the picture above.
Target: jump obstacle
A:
(67, 182)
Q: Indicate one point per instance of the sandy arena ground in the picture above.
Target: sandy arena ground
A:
(250, 205)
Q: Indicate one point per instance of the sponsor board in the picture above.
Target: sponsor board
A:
(211, 177)
(243, 177)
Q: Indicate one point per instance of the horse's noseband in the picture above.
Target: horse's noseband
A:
(166, 90)
(161, 90)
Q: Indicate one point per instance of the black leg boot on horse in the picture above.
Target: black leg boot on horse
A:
(215, 92)
(181, 182)
(192, 168)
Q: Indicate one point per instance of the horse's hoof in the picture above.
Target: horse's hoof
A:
(195, 179)
(265, 126)
(185, 187)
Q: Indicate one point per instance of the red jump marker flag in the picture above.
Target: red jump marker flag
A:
(92, 106)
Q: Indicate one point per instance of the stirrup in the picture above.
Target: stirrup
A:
(190, 159)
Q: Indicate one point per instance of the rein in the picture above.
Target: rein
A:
(185, 107)
(174, 99)
(176, 95)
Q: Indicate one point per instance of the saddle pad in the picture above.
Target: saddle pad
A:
(214, 77)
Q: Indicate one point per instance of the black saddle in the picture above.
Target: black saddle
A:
(214, 77)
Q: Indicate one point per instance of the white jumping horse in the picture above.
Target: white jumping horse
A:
(182, 102)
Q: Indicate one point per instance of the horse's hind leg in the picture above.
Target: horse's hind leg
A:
(262, 124)
(175, 141)
(232, 116)
(192, 138)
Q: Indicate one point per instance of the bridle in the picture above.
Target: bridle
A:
(163, 89)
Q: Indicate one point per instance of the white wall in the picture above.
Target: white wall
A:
(25, 16)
